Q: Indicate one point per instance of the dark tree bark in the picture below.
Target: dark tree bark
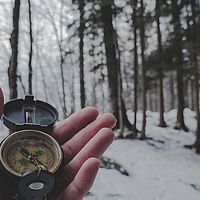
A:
(12, 69)
(180, 124)
(150, 101)
(64, 107)
(161, 102)
(192, 96)
(110, 46)
(31, 50)
(195, 60)
(92, 53)
(172, 95)
(81, 52)
(135, 28)
(62, 61)
(186, 85)
(142, 43)
(1, 102)
(72, 92)
(160, 73)
(124, 122)
(102, 75)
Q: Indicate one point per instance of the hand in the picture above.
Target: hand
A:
(84, 137)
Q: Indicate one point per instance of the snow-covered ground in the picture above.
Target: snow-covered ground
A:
(158, 171)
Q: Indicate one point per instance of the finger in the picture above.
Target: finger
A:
(1, 101)
(94, 148)
(70, 126)
(76, 143)
(82, 182)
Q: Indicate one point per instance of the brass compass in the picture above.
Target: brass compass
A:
(30, 157)
(30, 150)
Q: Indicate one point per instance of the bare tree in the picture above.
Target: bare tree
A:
(12, 69)
(176, 9)
(142, 43)
(160, 71)
(81, 52)
(195, 60)
(62, 60)
(31, 50)
(135, 29)
(111, 59)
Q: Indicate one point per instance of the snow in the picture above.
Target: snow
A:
(158, 171)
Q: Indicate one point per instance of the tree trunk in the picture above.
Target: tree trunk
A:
(110, 46)
(62, 61)
(171, 89)
(135, 27)
(180, 124)
(12, 69)
(150, 100)
(1, 102)
(194, 40)
(186, 85)
(197, 141)
(103, 77)
(92, 53)
(161, 103)
(81, 52)
(142, 42)
(122, 107)
(192, 94)
(160, 75)
(31, 50)
(73, 92)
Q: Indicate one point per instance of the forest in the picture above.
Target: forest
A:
(136, 55)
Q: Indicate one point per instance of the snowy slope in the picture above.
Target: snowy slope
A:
(158, 171)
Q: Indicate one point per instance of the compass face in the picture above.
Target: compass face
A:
(29, 150)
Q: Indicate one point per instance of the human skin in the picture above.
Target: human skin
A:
(84, 137)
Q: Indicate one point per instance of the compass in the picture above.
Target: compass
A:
(30, 157)
(29, 150)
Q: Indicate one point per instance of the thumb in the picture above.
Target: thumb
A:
(1, 102)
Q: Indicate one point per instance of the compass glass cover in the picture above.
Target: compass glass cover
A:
(26, 151)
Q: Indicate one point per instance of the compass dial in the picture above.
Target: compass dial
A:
(22, 163)
(29, 150)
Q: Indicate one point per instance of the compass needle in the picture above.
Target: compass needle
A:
(31, 157)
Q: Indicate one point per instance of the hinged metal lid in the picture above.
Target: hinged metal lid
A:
(20, 114)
